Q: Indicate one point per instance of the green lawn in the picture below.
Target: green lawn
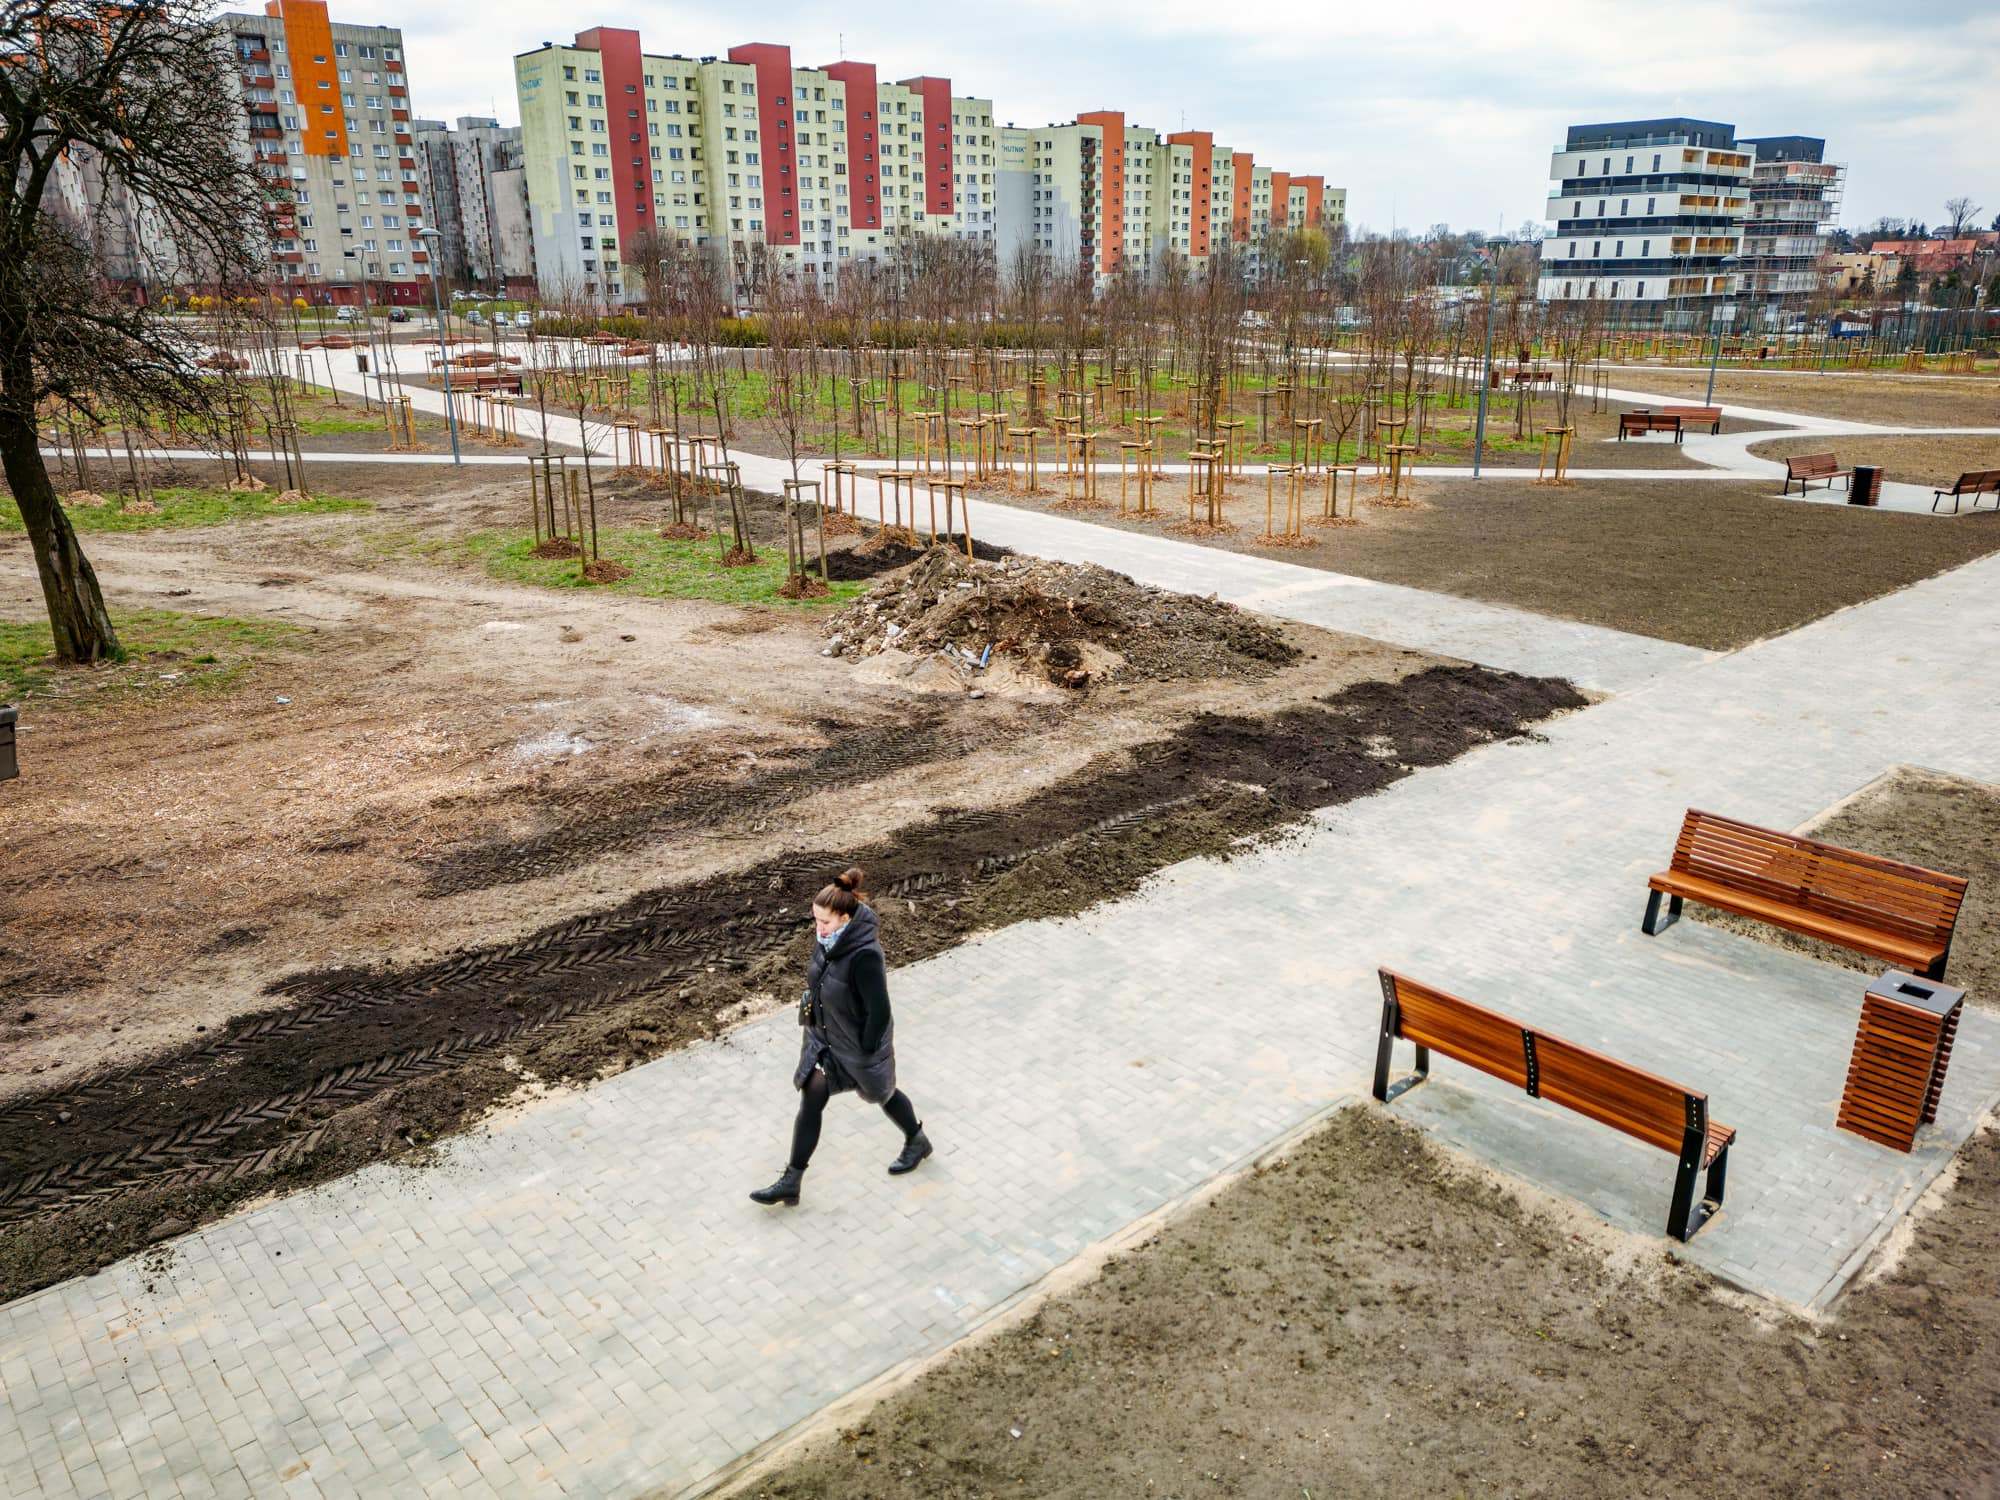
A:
(164, 650)
(660, 568)
(182, 507)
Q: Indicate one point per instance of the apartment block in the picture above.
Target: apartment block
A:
(813, 168)
(327, 112)
(1648, 216)
(473, 178)
(1120, 197)
(1794, 203)
(806, 168)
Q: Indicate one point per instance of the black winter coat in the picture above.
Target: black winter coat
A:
(845, 1012)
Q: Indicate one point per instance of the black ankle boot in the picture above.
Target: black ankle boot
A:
(785, 1190)
(915, 1148)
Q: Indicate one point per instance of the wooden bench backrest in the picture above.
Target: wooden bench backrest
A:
(1845, 884)
(1479, 1037)
(1809, 464)
(1641, 1104)
(1626, 1098)
(1706, 413)
(1974, 480)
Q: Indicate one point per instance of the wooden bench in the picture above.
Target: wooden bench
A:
(1804, 468)
(1888, 910)
(1975, 482)
(1640, 1104)
(1696, 415)
(484, 380)
(1643, 422)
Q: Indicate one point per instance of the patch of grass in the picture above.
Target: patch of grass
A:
(180, 508)
(323, 426)
(660, 568)
(164, 650)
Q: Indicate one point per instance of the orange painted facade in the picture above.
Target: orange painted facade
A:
(1111, 186)
(1315, 196)
(1203, 144)
(1241, 163)
(1281, 200)
(315, 77)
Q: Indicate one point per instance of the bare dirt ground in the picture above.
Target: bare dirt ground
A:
(1370, 1315)
(1888, 400)
(1711, 563)
(1922, 818)
(1931, 461)
(265, 937)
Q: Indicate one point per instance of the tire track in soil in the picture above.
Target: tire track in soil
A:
(852, 755)
(260, 1095)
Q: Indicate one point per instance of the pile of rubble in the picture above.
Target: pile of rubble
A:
(1067, 624)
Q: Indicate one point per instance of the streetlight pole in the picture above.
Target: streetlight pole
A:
(1486, 367)
(430, 237)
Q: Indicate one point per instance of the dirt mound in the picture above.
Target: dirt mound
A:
(853, 563)
(1064, 621)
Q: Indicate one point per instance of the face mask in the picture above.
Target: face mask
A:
(831, 938)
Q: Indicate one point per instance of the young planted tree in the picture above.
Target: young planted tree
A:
(141, 99)
(793, 314)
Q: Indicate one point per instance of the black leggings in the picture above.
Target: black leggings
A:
(812, 1108)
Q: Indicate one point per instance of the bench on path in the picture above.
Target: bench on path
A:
(1640, 1104)
(507, 381)
(1974, 482)
(1888, 910)
(1802, 469)
(1696, 415)
(1643, 422)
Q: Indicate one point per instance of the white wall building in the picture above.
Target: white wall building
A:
(1648, 216)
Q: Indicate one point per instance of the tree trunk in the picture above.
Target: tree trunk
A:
(77, 617)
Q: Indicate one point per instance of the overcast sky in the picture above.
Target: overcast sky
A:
(1425, 110)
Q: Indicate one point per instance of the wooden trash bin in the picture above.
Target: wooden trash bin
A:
(1901, 1050)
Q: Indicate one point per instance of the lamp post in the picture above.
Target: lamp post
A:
(430, 237)
(1486, 367)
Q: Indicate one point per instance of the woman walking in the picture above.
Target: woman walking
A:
(849, 1040)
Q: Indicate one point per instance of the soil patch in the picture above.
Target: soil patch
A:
(1371, 1316)
(1047, 615)
(1934, 462)
(1710, 563)
(1922, 818)
(1889, 400)
(349, 1065)
(849, 563)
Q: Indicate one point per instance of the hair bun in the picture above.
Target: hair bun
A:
(849, 879)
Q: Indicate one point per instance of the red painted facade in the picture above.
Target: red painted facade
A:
(1281, 200)
(619, 61)
(936, 94)
(864, 171)
(773, 65)
(1204, 162)
(1110, 186)
(1241, 163)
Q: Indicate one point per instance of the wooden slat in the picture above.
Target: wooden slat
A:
(1625, 1098)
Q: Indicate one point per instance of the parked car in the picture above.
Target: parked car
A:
(476, 316)
(347, 315)
(399, 315)
(523, 318)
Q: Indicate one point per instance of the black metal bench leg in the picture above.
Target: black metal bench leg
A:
(1717, 1182)
(1684, 1176)
(1650, 924)
(1384, 1046)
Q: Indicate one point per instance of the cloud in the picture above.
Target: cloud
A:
(1434, 109)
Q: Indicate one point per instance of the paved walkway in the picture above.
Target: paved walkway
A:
(579, 1300)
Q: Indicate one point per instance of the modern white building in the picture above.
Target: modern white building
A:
(1648, 216)
(1794, 201)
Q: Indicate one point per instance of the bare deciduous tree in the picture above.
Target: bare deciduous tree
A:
(141, 98)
